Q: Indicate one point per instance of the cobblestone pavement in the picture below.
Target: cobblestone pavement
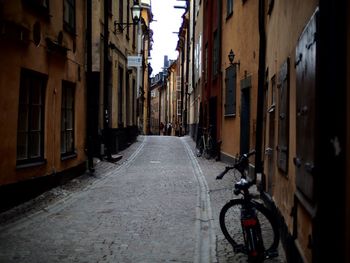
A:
(159, 203)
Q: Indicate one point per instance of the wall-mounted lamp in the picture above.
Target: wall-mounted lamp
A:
(231, 57)
(136, 15)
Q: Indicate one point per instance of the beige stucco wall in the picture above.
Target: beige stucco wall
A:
(15, 56)
(283, 29)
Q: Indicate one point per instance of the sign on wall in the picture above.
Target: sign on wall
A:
(134, 61)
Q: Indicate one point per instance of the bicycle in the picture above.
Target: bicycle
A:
(206, 144)
(246, 223)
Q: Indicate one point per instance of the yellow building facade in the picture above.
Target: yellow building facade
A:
(240, 33)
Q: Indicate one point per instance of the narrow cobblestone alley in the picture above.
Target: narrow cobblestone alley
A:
(159, 203)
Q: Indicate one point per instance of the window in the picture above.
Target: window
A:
(229, 8)
(120, 96)
(121, 11)
(206, 64)
(230, 101)
(39, 6)
(31, 111)
(216, 54)
(273, 93)
(178, 107)
(69, 15)
(178, 83)
(127, 20)
(67, 118)
(109, 7)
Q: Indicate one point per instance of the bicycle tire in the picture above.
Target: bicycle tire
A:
(209, 149)
(207, 154)
(200, 148)
(230, 224)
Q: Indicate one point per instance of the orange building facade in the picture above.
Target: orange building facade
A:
(42, 88)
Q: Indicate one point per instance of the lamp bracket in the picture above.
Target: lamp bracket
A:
(120, 27)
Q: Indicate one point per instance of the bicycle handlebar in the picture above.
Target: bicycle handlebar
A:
(244, 157)
(221, 175)
(252, 152)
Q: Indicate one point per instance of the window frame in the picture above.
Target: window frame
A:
(71, 152)
(69, 26)
(178, 107)
(120, 96)
(41, 7)
(229, 8)
(27, 82)
(230, 108)
(216, 54)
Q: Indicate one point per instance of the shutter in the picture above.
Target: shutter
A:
(283, 120)
(305, 109)
(230, 105)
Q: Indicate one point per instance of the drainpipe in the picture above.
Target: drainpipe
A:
(187, 78)
(106, 83)
(182, 49)
(89, 87)
(260, 99)
(194, 88)
(187, 66)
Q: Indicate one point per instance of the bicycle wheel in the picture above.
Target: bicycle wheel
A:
(230, 223)
(200, 148)
(208, 151)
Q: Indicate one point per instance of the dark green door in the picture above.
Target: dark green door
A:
(245, 115)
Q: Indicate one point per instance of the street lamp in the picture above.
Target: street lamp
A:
(231, 57)
(136, 15)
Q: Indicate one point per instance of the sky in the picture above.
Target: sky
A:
(167, 20)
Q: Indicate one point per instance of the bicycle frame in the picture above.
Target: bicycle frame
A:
(206, 147)
(251, 226)
(251, 229)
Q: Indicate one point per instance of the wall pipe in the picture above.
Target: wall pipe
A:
(260, 99)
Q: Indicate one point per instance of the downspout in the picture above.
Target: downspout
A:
(219, 113)
(182, 84)
(161, 91)
(194, 88)
(260, 98)
(89, 87)
(187, 70)
(148, 99)
(106, 82)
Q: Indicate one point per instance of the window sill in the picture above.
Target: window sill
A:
(68, 156)
(230, 115)
(28, 164)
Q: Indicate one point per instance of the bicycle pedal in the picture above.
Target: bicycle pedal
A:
(239, 249)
